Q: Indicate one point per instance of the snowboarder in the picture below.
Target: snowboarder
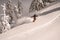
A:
(34, 17)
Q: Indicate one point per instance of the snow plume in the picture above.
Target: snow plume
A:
(24, 20)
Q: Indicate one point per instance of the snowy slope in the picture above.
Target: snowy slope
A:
(42, 12)
(38, 30)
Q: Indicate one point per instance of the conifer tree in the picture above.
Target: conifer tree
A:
(19, 8)
(10, 11)
(4, 19)
(49, 1)
(36, 5)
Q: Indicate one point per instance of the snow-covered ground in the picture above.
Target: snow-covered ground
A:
(46, 27)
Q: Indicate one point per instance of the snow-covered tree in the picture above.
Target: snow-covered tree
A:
(4, 20)
(39, 4)
(48, 1)
(1, 24)
(19, 8)
(36, 5)
(10, 11)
